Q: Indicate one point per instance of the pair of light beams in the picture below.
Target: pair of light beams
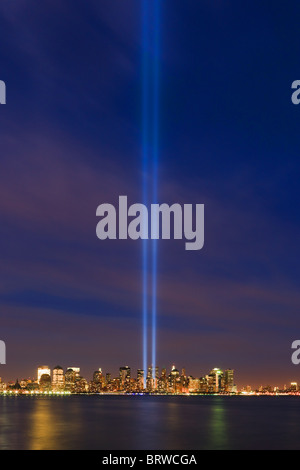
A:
(150, 125)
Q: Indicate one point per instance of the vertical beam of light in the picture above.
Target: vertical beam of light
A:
(150, 124)
(145, 157)
(155, 155)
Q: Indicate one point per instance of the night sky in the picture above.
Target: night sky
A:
(70, 139)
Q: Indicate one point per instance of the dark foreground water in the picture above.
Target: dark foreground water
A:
(149, 423)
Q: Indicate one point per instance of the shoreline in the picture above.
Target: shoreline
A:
(69, 394)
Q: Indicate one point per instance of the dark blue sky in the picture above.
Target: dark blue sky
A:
(71, 139)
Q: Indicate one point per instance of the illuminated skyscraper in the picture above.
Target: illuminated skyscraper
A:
(194, 385)
(124, 374)
(76, 370)
(174, 372)
(58, 378)
(294, 387)
(98, 376)
(174, 380)
(45, 382)
(229, 382)
(215, 380)
(70, 380)
(140, 378)
(43, 370)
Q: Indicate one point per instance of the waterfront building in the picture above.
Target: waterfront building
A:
(58, 379)
(43, 370)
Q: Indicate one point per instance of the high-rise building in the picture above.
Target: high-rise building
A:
(215, 380)
(150, 380)
(229, 381)
(140, 378)
(43, 370)
(76, 370)
(294, 387)
(81, 385)
(174, 372)
(174, 380)
(124, 374)
(70, 377)
(45, 382)
(98, 376)
(193, 384)
(58, 378)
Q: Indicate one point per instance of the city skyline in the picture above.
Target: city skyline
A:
(244, 377)
(138, 376)
(71, 140)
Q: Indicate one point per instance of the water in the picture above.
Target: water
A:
(149, 423)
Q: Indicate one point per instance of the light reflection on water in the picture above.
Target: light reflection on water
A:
(150, 423)
(49, 425)
(218, 430)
